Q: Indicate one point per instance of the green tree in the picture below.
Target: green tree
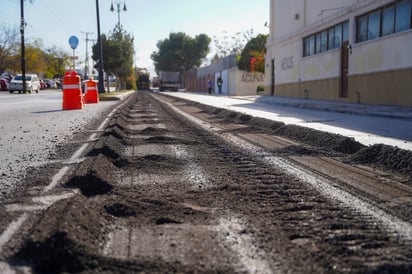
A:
(49, 63)
(180, 52)
(56, 61)
(118, 55)
(252, 56)
(35, 57)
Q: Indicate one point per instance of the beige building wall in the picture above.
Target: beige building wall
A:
(387, 88)
(244, 83)
(379, 70)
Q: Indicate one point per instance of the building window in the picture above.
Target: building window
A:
(338, 36)
(318, 40)
(345, 32)
(395, 17)
(305, 46)
(388, 20)
(403, 15)
(374, 25)
(362, 29)
(312, 45)
(327, 39)
(324, 41)
(331, 40)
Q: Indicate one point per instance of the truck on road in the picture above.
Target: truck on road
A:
(143, 80)
(169, 80)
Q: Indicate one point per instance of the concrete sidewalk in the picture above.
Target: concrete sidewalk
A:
(324, 105)
(367, 124)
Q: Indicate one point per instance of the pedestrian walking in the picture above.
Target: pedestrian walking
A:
(219, 84)
(210, 84)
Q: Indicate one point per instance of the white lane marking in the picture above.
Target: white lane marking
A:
(11, 229)
(79, 151)
(56, 178)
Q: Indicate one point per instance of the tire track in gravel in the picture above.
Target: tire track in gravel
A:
(395, 228)
(158, 193)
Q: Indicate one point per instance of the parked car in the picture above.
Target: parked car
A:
(58, 82)
(42, 84)
(32, 83)
(50, 83)
(4, 84)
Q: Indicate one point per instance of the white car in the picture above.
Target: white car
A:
(50, 83)
(32, 83)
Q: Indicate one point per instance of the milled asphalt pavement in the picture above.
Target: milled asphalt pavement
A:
(368, 124)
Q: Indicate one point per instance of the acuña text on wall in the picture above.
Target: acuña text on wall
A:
(252, 77)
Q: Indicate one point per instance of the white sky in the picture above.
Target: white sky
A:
(149, 21)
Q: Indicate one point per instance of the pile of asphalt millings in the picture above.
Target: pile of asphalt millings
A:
(93, 177)
(68, 236)
(380, 156)
(65, 239)
(384, 156)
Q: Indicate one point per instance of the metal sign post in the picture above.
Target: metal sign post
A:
(100, 84)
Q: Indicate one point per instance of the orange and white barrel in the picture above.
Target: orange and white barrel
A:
(72, 92)
(91, 96)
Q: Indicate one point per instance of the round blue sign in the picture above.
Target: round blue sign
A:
(74, 42)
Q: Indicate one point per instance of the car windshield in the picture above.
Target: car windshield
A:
(20, 77)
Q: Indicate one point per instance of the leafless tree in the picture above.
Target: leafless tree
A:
(227, 44)
(9, 46)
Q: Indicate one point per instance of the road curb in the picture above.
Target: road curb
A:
(117, 97)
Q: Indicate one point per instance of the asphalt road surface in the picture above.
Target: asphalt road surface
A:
(165, 185)
(33, 127)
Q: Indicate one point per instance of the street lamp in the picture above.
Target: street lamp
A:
(112, 9)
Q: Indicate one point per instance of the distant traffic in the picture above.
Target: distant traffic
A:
(33, 83)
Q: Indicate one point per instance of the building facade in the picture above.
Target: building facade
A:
(356, 51)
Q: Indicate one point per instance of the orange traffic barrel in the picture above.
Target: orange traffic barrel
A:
(72, 92)
(91, 96)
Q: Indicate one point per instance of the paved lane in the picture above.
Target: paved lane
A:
(32, 127)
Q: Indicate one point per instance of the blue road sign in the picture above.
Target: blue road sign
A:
(73, 41)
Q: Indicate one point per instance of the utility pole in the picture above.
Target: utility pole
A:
(23, 49)
(99, 38)
(23, 55)
(86, 66)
